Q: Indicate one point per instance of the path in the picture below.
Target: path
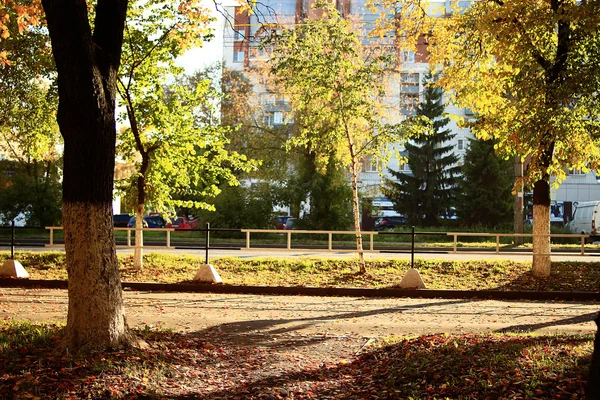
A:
(336, 316)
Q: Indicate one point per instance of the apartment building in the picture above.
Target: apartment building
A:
(241, 52)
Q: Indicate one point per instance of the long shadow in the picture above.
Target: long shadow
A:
(565, 277)
(489, 368)
(533, 327)
(250, 327)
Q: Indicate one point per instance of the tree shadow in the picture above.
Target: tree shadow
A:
(524, 328)
(467, 367)
(269, 327)
(564, 277)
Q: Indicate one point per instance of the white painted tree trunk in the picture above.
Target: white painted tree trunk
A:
(138, 252)
(541, 244)
(95, 317)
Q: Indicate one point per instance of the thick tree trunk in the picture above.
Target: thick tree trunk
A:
(593, 388)
(87, 67)
(138, 252)
(541, 229)
(95, 315)
(356, 210)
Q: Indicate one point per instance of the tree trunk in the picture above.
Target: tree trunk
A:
(541, 226)
(593, 388)
(138, 252)
(356, 210)
(87, 66)
(518, 202)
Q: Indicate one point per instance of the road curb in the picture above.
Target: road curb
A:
(318, 291)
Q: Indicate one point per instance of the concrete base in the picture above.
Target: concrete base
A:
(13, 268)
(412, 280)
(207, 274)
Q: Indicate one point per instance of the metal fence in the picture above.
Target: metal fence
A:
(248, 241)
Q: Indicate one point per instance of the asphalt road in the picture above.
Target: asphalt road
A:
(337, 316)
(283, 253)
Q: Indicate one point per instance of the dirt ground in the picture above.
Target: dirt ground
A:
(314, 316)
(297, 342)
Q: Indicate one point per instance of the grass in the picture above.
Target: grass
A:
(321, 272)
(206, 365)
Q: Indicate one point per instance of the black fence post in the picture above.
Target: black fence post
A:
(412, 249)
(12, 242)
(207, 242)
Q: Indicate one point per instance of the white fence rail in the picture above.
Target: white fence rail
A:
(330, 248)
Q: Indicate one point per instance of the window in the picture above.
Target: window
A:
(407, 56)
(460, 144)
(373, 166)
(274, 118)
(238, 56)
(409, 78)
(403, 167)
(576, 171)
(238, 35)
(409, 92)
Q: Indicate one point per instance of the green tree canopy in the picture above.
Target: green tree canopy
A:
(429, 190)
(29, 136)
(172, 139)
(485, 196)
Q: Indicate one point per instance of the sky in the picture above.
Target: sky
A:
(210, 52)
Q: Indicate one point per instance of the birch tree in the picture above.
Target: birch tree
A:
(335, 94)
(175, 149)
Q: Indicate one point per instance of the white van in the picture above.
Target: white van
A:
(586, 219)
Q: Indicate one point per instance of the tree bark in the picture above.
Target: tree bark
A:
(87, 65)
(541, 229)
(356, 209)
(138, 251)
(518, 201)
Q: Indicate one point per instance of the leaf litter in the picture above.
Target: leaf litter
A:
(214, 364)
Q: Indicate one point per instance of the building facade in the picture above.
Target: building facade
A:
(405, 88)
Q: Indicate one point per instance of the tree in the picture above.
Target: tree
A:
(429, 191)
(530, 70)
(87, 62)
(485, 190)
(33, 190)
(29, 135)
(171, 139)
(329, 195)
(248, 205)
(334, 93)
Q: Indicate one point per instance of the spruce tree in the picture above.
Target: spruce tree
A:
(429, 191)
(485, 196)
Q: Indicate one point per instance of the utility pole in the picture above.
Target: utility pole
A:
(519, 201)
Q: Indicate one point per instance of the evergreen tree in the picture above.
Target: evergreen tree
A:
(486, 196)
(430, 190)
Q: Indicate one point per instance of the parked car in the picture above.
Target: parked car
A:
(289, 223)
(150, 221)
(182, 224)
(387, 223)
(281, 221)
(121, 220)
